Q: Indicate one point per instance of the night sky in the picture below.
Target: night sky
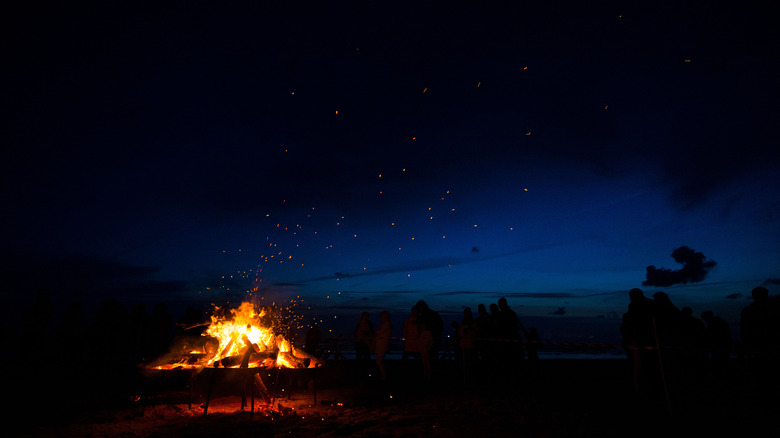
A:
(350, 156)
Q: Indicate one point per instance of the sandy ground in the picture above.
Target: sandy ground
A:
(563, 398)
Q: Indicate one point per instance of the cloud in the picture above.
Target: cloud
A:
(695, 269)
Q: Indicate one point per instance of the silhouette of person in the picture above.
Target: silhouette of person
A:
(693, 341)
(467, 342)
(718, 338)
(667, 319)
(755, 324)
(426, 346)
(509, 326)
(532, 346)
(411, 335)
(486, 337)
(382, 341)
(638, 337)
(430, 320)
(364, 337)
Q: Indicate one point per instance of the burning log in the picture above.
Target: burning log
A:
(227, 348)
(289, 360)
(250, 349)
(261, 388)
(301, 354)
(247, 360)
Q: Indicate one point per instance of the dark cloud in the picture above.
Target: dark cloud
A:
(379, 292)
(695, 269)
(560, 312)
(287, 284)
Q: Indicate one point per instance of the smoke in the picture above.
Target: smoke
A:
(695, 268)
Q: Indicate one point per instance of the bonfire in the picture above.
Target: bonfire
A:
(240, 338)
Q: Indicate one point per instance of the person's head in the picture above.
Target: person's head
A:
(384, 316)
(635, 294)
(760, 293)
(481, 309)
(467, 312)
(502, 303)
(662, 299)
(364, 316)
(494, 308)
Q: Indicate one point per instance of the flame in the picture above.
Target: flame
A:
(245, 331)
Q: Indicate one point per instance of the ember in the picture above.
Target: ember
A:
(243, 338)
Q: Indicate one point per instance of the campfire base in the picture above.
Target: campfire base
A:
(265, 384)
(253, 384)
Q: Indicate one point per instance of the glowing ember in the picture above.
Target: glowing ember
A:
(241, 339)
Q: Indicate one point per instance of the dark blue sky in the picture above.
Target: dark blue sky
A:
(364, 156)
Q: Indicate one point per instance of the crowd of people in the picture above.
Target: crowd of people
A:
(496, 339)
(654, 330)
(665, 342)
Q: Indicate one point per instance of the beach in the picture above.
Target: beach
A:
(549, 398)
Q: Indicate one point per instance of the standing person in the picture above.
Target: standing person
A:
(382, 341)
(638, 337)
(511, 341)
(364, 337)
(718, 337)
(426, 346)
(411, 335)
(755, 323)
(433, 322)
(467, 338)
(485, 335)
(533, 343)
(510, 327)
